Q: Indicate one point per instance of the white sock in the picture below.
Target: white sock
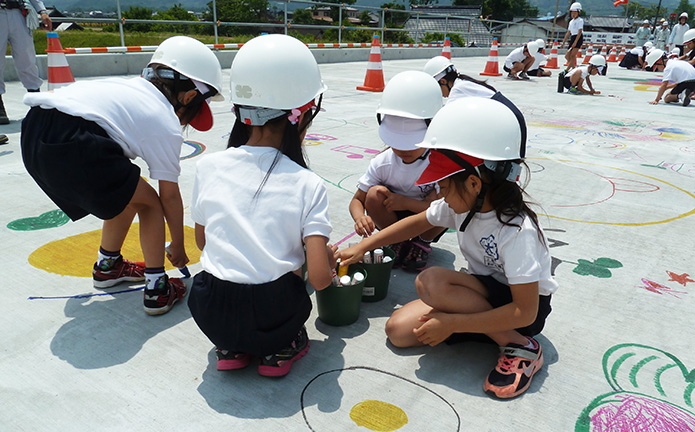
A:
(151, 279)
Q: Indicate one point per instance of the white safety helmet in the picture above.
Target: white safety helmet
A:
(480, 127)
(645, 22)
(532, 47)
(540, 43)
(683, 15)
(597, 60)
(653, 57)
(275, 71)
(438, 66)
(576, 6)
(689, 36)
(192, 59)
(411, 94)
(675, 53)
(664, 22)
(649, 45)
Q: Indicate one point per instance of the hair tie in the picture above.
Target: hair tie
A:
(294, 116)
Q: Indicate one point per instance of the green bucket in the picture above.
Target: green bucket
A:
(376, 285)
(340, 305)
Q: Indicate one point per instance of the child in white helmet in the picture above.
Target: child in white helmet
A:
(689, 47)
(538, 59)
(679, 76)
(519, 61)
(677, 33)
(634, 58)
(77, 142)
(575, 33)
(256, 207)
(505, 294)
(387, 191)
(574, 80)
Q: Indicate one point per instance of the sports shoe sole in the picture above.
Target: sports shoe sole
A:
(4, 139)
(278, 371)
(686, 98)
(164, 309)
(108, 283)
(536, 368)
(233, 364)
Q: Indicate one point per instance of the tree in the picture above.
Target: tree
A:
(175, 13)
(138, 13)
(502, 10)
(394, 18)
(365, 18)
(247, 11)
(335, 14)
(302, 16)
(685, 6)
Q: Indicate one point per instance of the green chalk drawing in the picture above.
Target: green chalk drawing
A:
(51, 219)
(652, 392)
(599, 267)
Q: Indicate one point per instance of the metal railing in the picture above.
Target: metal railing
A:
(452, 23)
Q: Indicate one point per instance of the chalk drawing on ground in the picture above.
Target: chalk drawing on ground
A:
(659, 288)
(314, 139)
(375, 400)
(50, 219)
(652, 392)
(608, 195)
(198, 149)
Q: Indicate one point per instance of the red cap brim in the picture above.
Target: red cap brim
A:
(441, 167)
(203, 121)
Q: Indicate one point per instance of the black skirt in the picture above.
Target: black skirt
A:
(74, 161)
(254, 319)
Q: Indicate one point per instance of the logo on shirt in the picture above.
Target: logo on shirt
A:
(425, 190)
(491, 254)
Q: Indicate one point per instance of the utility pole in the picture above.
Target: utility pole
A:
(552, 32)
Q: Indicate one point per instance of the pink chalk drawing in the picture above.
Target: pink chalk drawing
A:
(652, 392)
(686, 169)
(686, 149)
(353, 154)
(660, 289)
(680, 278)
(617, 185)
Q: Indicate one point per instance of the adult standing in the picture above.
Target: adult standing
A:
(661, 36)
(642, 34)
(16, 26)
(676, 38)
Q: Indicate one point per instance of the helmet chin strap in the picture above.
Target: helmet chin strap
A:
(479, 201)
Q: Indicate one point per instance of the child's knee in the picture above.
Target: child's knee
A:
(374, 199)
(398, 331)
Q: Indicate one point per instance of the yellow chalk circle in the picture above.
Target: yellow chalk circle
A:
(75, 255)
(378, 416)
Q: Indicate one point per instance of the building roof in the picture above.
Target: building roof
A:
(467, 11)
(608, 22)
(473, 30)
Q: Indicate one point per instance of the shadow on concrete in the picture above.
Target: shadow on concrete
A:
(105, 333)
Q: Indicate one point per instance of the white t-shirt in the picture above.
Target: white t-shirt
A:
(133, 112)
(638, 51)
(678, 71)
(677, 33)
(256, 240)
(509, 254)
(583, 70)
(575, 25)
(389, 170)
(465, 88)
(538, 58)
(515, 56)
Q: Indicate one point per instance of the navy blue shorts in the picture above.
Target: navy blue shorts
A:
(75, 162)
(499, 295)
(254, 319)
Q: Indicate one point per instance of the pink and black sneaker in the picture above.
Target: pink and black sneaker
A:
(416, 260)
(122, 270)
(229, 360)
(279, 364)
(515, 369)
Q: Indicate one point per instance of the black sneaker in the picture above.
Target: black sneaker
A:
(4, 139)
(686, 99)
(279, 364)
(3, 114)
(514, 371)
(416, 261)
(523, 76)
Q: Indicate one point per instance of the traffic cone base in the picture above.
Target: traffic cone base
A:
(552, 61)
(374, 80)
(446, 49)
(492, 66)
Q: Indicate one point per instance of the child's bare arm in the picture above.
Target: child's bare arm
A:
(170, 197)
(364, 225)
(320, 260)
(200, 236)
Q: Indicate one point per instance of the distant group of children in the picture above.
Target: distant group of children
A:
(260, 214)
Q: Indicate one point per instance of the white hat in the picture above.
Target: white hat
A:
(645, 22)
(664, 23)
(402, 133)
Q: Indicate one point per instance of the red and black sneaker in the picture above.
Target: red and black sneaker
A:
(122, 270)
(416, 260)
(159, 300)
(401, 251)
(515, 369)
(229, 360)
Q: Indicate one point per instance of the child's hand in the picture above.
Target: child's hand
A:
(332, 255)
(364, 226)
(435, 329)
(176, 254)
(394, 202)
(654, 102)
(350, 255)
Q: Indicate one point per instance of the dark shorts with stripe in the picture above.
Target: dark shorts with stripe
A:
(682, 86)
(579, 43)
(255, 319)
(74, 161)
(499, 295)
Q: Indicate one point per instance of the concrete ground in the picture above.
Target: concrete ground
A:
(613, 179)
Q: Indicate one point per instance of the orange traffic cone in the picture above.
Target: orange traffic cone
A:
(622, 54)
(374, 80)
(492, 66)
(59, 73)
(552, 61)
(579, 53)
(604, 51)
(446, 50)
(613, 56)
(589, 53)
